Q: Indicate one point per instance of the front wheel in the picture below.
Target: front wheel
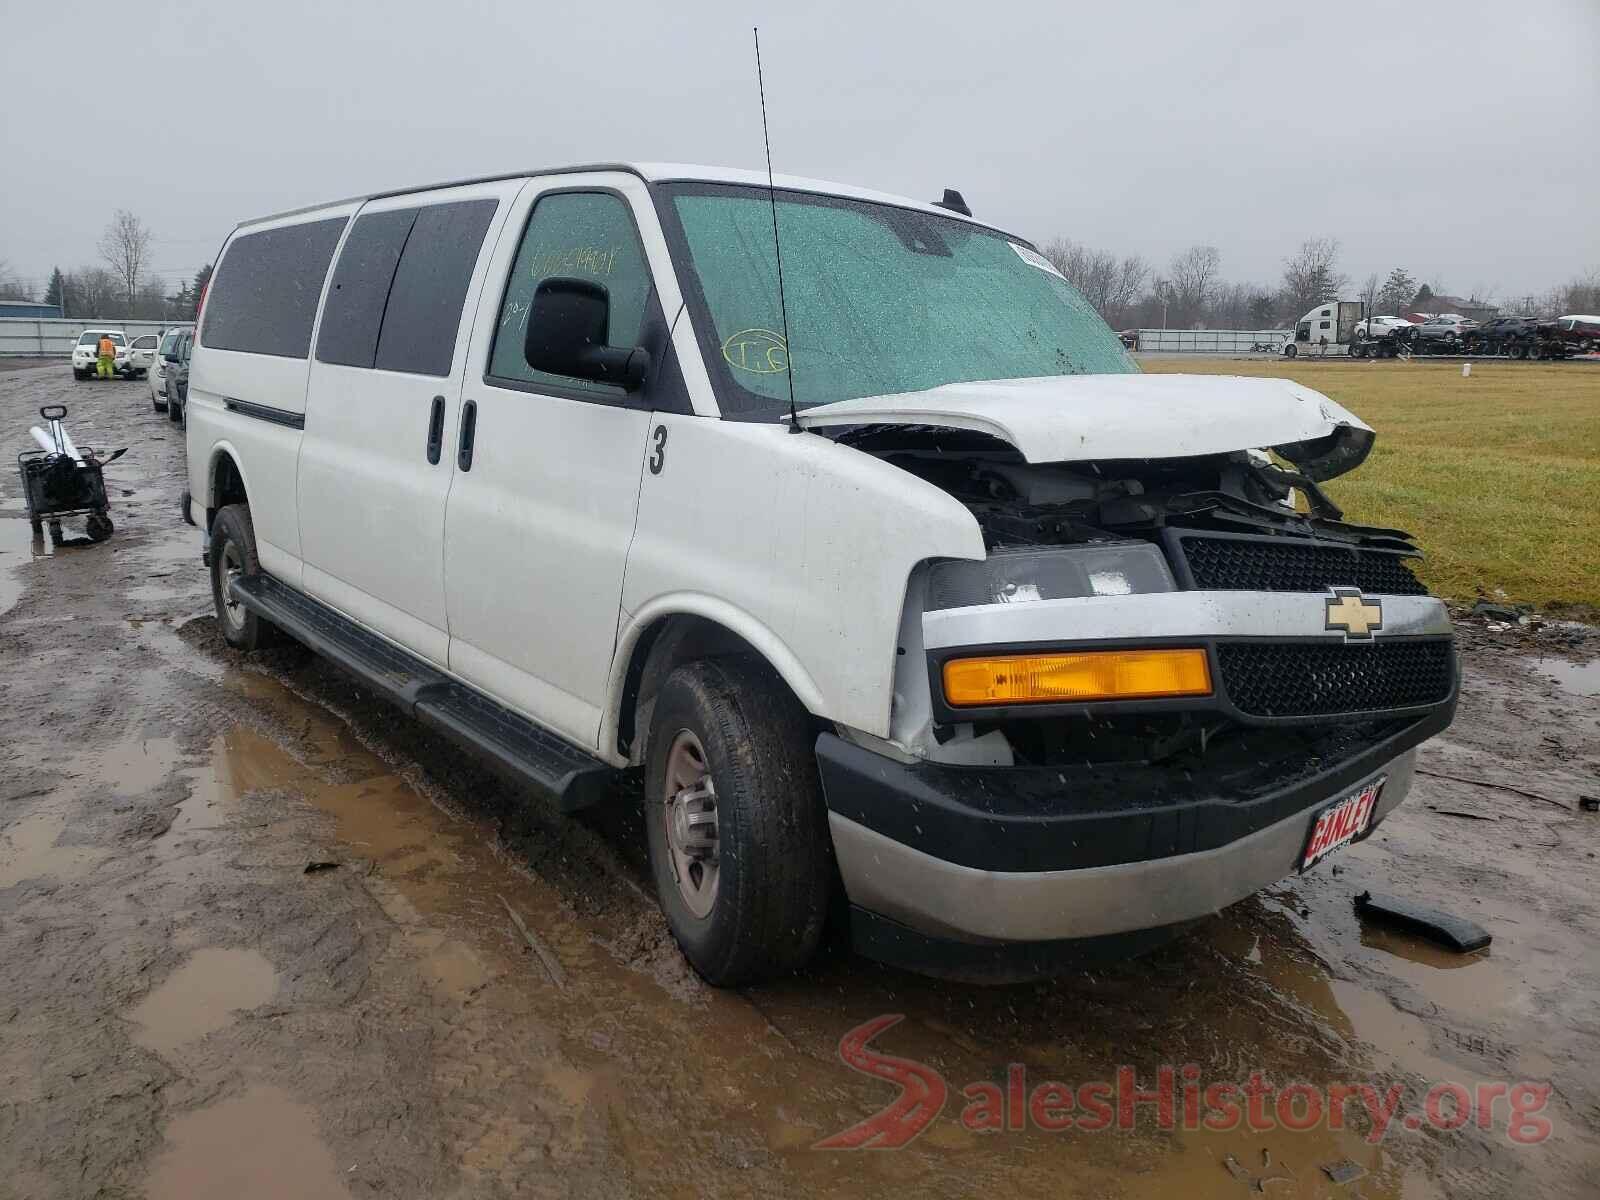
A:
(734, 815)
(1290, 351)
(233, 556)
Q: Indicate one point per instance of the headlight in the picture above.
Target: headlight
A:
(1020, 576)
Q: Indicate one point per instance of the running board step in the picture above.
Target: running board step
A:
(525, 752)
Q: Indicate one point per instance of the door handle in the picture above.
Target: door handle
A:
(469, 427)
(436, 430)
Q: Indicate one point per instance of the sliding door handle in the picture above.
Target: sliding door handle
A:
(469, 428)
(436, 430)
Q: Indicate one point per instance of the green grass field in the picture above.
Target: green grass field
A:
(1498, 475)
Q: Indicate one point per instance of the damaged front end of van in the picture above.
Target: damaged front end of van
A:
(1177, 676)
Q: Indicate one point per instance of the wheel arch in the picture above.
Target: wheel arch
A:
(679, 629)
(226, 482)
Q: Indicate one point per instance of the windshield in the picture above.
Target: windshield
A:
(880, 300)
(93, 336)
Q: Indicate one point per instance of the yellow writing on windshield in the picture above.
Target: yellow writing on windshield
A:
(588, 260)
(759, 350)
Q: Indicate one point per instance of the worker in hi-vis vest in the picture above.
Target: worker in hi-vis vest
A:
(105, 368)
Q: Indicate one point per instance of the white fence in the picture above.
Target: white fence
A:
(1211, 341)
(54, 337)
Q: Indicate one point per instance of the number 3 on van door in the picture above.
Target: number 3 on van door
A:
(659, 458)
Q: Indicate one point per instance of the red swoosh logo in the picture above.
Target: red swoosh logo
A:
(921, 1099)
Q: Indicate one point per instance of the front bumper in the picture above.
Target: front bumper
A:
(1038, 854)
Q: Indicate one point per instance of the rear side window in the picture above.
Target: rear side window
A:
(353, 315)
(424, 310)
(263, 297)
(583, 235)
(397, 292)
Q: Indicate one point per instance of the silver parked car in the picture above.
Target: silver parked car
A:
(157, 372)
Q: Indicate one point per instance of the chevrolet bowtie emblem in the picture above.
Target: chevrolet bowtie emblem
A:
(1357, 615)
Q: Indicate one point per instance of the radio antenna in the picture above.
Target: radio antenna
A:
(777, 246)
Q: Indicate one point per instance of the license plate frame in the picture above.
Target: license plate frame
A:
(1336, 825)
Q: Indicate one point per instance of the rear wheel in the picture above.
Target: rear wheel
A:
(734, 816)
(233, 556)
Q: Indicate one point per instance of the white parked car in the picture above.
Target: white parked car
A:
(912, 586)
(86, 354)
(1381, 327)
(142, 355)
(158, 369)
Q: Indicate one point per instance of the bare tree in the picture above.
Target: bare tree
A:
(95, 292)
(1193, 279)
(1108, 283)
(1311, 276)
(125, 247)
(12, 285)
(1369, 296)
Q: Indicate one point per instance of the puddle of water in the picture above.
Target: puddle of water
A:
(132, 767)
(17, 550)
(201, 996)
(28, 850)
(1581, 679)
(258, 1146)
(155, 593)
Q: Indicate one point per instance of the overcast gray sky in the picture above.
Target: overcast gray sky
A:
(1457, 138)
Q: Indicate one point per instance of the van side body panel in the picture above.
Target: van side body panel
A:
(794, 542)
(380, 559)
(225, 386)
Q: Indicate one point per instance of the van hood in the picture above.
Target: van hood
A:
(1075, 418)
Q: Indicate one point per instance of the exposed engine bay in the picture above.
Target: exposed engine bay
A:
(1018, 503)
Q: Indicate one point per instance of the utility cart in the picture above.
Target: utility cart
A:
(60, 480)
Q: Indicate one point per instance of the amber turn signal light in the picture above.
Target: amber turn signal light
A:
(1074, 678)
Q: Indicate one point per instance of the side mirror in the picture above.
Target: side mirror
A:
(568, 328)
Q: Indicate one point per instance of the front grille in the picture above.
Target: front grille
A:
(1282, 564)
(1306, 679)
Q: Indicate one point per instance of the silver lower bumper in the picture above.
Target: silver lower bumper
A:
(947, 900)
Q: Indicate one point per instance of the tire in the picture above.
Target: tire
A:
(157, 404)
(80, 376)
(1290, 351)
(233, 552)
(98, 527)
(729, 741)
(174, 411)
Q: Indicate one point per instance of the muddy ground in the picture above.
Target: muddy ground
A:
(186, 1011)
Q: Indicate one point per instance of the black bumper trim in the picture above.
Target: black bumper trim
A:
(1054, 818)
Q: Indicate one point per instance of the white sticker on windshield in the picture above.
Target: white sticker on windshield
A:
(1034, 259)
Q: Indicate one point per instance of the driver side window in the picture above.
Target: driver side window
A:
(578, 235)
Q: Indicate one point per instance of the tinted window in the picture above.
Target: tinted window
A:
(583, 235)
(263, 297)
(424, 309)
(350, 321)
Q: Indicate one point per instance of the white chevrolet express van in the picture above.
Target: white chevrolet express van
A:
(987, 640)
